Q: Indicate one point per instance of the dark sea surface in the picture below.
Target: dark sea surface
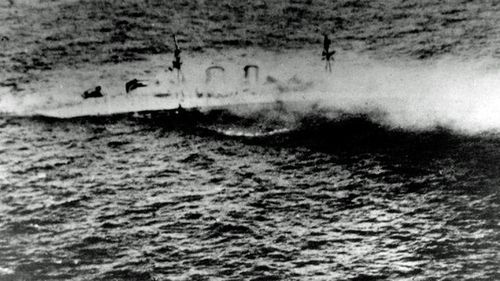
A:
(336, 199)
(169, 198)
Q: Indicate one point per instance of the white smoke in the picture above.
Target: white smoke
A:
(463, 96)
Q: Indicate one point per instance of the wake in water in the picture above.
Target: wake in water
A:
(243, 132)
(461, 96)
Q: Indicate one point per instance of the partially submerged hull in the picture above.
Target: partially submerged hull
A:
(148, 100)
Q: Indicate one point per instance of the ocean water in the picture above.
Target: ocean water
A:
(392, 173)
(169, 198)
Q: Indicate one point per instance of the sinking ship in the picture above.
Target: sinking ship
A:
(140, 96)
(145, 96)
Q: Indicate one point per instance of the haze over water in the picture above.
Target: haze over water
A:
(389, 172)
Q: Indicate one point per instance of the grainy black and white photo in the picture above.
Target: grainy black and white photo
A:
(303, 140)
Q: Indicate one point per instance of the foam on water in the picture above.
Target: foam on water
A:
(5, 271)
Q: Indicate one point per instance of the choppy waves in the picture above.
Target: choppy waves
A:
(338, 199)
